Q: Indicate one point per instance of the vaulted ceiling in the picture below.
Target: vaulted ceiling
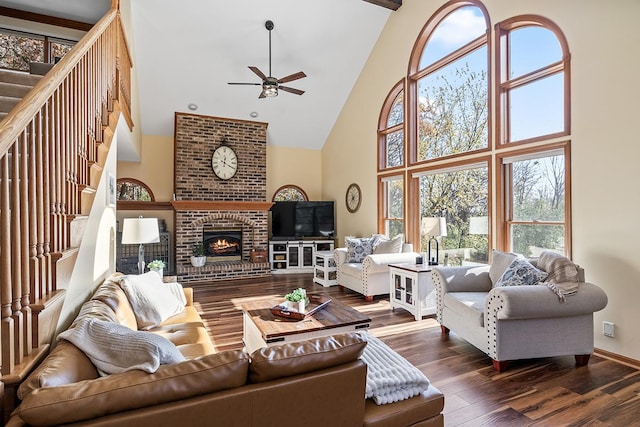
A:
(186, 52)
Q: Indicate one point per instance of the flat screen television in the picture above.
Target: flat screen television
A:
(295, 220)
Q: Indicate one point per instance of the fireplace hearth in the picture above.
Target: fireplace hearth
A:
(222, 244)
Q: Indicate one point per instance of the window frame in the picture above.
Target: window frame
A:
(287, 187)
(383, 202)
(384, 130)
(504, 213)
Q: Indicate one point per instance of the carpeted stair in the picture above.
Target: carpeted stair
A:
(13, 86)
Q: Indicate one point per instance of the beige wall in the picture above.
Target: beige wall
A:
(605, 91)
(156, 171)
(294, 166)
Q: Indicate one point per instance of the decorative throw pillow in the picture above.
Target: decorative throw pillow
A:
(500, 261)
(151, 299)
(386, 246)
(521, 273)
(358, 248)
(114, 348)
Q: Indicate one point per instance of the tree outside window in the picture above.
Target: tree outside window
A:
(537, 203)
(459, 195)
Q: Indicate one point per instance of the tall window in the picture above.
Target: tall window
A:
(449, 125)
(536, 210)
(461, 195)
(393, 206)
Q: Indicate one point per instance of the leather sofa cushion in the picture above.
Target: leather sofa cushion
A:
(95, 309)
(406, 412)
(305, 356)
(134, 389)
(64, 365)
(111, 294)
(469, 305)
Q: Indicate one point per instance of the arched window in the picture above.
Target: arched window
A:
(534, 82)
(449, 83)
(131, 189)
(450, 159)
(290, 193)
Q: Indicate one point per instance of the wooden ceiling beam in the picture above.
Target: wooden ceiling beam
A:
(44, 19)
(389, 4)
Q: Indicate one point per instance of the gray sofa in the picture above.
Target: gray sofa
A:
(517, 322)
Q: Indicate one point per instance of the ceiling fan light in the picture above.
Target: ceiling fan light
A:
(270, 90)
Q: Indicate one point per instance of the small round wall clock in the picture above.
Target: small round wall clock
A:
(353, 198)
(224, 162)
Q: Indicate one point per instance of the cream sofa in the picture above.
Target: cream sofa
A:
(517, 322)
(371, 276)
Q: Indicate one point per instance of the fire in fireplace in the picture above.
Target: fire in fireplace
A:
(222, 244)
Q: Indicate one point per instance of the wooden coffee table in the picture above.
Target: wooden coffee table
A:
(261, 328)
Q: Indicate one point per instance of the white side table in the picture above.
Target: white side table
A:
(324, 269)
(410, 287)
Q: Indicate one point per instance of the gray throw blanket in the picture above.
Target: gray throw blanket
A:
(390, 377)
(114, 348)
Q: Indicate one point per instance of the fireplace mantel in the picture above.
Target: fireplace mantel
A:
(222, 205)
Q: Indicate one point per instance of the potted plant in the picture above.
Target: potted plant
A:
(157, 265)
(297, 300)
(198, 259)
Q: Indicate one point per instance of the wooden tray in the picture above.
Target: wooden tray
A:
(316, 302)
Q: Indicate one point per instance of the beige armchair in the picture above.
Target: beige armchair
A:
(516, 322)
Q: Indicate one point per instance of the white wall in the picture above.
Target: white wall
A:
(605, 65)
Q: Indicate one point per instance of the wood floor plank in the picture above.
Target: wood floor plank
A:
(545, 392)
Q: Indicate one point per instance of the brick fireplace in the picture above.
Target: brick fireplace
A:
(203, 201)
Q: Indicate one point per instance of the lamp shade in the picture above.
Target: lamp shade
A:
(140, 230)
(479, 225)
(434, 226)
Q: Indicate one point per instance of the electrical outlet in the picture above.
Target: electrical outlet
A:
(608, 329)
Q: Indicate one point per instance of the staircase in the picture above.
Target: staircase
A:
(13, 86)
(55, 134)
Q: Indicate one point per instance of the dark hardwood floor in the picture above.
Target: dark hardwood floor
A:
(539, 392)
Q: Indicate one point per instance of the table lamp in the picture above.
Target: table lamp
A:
(140, 231)
(433, 227)
(479, 225)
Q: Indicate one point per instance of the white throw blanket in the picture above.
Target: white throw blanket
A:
(390, 377)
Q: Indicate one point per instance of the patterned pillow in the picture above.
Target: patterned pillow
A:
(358, 248)
(521, 273)
(500, 261)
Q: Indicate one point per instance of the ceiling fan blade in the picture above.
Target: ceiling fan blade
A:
(291, 90)
(250, 84)
(292, 77)
(258, 73)
(262, 95)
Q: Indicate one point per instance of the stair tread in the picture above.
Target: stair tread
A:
(14, 89)
(7, 103)
(19, 77)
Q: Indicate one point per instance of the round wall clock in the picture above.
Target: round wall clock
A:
(353, 197)
(224, 162)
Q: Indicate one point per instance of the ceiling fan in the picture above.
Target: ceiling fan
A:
(270, 85)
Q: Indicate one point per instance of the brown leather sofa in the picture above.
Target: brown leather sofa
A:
(317, 382)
